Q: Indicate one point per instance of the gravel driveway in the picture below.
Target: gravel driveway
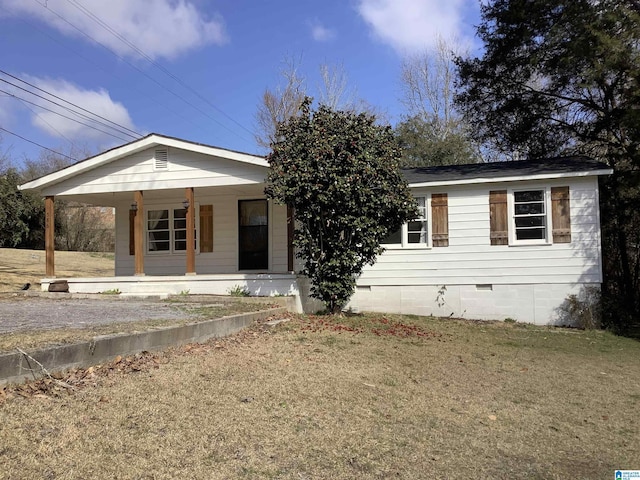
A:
(26, 313)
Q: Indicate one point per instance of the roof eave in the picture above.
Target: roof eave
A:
(512, 178)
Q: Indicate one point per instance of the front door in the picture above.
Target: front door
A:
(253, 235)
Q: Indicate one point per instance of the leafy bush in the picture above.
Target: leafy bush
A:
(339, 172)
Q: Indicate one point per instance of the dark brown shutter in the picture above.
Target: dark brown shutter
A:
(290, 228)
(206, 228)
(132, 232)
(440, 220)
(560, 215)
(499, 217)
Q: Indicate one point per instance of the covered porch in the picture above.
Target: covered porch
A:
(189, 218)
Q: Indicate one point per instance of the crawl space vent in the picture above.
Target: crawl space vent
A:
(161, 159)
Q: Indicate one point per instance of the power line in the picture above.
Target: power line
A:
(161, 67)
(111, 73)
(63, 116)
(69, 109)
(122, 127)
(25, 102)
(36, 143)
(139, 70)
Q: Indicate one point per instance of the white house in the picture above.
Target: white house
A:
(493, 240)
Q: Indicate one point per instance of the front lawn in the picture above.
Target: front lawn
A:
(366, 396)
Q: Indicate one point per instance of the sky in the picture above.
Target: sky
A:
(196, 69)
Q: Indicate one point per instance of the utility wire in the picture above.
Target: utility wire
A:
(68, 109)
(124, 129)
(145, 93)
(139, 70)
(63, 116)
(35, 143)
(161, 67)
(26, 102)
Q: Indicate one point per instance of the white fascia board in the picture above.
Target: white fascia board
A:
(515, 178)
(134, 147)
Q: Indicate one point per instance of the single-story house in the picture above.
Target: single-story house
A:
(492, 241)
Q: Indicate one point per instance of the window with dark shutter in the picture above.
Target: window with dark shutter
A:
(560, 215)
(499, 217)
(440, 220)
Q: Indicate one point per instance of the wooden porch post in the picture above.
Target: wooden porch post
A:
(49, 236)
(191, 232)
(138, 236)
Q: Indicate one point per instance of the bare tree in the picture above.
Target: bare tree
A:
(5, 158)
(284, 101)
(79, 227)
(333, 90)
(280, 104)
(428, 86)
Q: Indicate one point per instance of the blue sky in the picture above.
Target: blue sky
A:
(228, 51)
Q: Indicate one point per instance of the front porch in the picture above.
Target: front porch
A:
(256, 284)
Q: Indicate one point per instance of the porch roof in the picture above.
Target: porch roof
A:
(150, 141)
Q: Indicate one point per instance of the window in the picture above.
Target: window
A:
(429, 228)
(167, 230)
(530, 217)
(417, 228)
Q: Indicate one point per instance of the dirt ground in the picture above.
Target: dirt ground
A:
(33, 313)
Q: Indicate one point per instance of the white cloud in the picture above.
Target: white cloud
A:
(320, 33)
(160, 28)
(413, 25)
(96, 101)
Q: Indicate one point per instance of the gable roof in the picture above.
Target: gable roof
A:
(547, 168)
(150, 141)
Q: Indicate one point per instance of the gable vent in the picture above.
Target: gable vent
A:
(161, 159)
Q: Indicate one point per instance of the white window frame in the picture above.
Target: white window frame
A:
(513, 240)
(172, 250)
(405, 230)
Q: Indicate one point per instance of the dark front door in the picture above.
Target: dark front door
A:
(253, 235)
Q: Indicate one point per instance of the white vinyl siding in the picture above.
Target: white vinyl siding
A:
(137, 172)
(470, 258)
(224, 258)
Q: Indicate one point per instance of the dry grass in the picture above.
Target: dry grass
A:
(18, 267)
(367, 397)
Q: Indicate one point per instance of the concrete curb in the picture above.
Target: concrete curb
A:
(14, 367)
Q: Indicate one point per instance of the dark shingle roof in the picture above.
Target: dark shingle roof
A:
(499, 170)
